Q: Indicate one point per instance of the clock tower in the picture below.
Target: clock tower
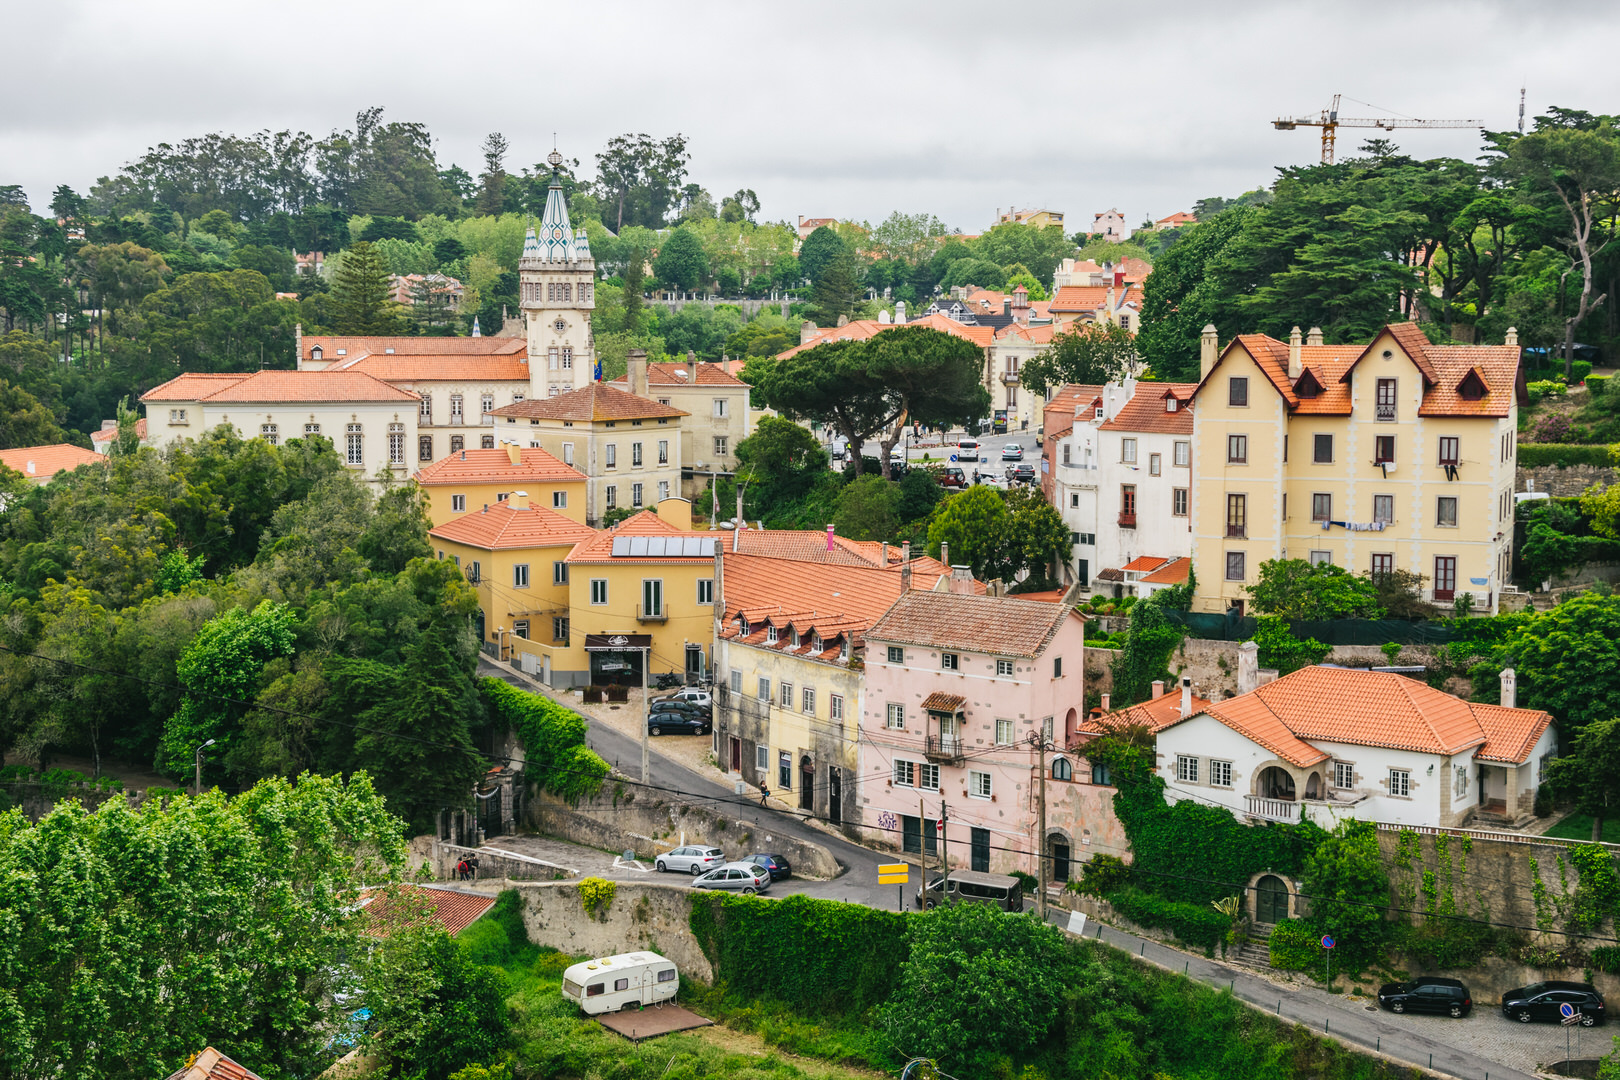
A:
(557, 285)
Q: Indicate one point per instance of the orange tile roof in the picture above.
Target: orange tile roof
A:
(1145, 562)
(1510, 734)
(1155, 714)
(1049, 596)
(501, 526)
(1079, 298)
(1057, 418)
(861, 329)
(535, 466)
(192, 386)
(213, 1065)
(1038, 335)
(1145, 410)
(451, 368)
(107, 435)
(810, 545)
(1173, 572)
(598, 401)
(674, 374)
(1005, 625)
(396, 906)
(412, 346)
(40, 463)
(939, 701)
(599, 549)
(828, 599)
(1498, 368)
(1180, 217)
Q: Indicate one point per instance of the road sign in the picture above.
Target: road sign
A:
(1568, 1020)
(1566, 1010)
(953, 457)
(894, 873)
(1327, 942)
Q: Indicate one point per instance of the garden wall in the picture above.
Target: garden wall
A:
(1564, 481)
(655, 917)
(1202, 658)
(622, 818)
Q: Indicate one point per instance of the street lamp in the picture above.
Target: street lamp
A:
(200, 749)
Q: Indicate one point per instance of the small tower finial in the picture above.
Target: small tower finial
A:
(554, 158)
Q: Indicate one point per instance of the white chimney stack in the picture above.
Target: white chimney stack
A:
(1510, 688)
(1248, 668)
(1294, 342)
(1186, 696)
(1209, 350)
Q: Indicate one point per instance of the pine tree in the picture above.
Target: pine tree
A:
(492, 181)
(360, 293)
(838, 289)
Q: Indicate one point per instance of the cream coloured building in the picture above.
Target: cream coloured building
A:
(463, 482)
(1394, 455)
(717, 414)
(370, 423)
(557, 290)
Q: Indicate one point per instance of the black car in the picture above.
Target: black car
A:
(1024, 474)
(1541, 1001)
(1427, 995)
(677, 723)
(690, 708)
(776, 864)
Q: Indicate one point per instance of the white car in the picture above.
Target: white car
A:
(694, 859)
(696, 695)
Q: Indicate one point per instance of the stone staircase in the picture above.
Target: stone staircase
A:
(1256, 951)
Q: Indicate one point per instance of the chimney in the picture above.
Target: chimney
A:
(899, 313)
(885, 555)
(1105, 698)
(1158, 688)
(829, 536)
(691, 368)
(514, 453)
(1186, 696)
(1314, 336)
(1293, 353)
(298, 344)
(1209, 350)
(1510, 688)
(1248, 668)
(109, 425)
(636, 366)
(518, 500)
(945, 552)
(843, 320)
(807, 330)
(31, 470)
(962, 580)
(905, 566)
(1512, 336)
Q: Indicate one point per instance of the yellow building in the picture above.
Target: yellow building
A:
(515, 554)
(1394, 455)
(465, 481)
(717, 413)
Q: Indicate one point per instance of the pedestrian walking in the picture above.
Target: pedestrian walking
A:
(764, 793)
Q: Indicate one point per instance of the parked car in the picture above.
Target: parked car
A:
(1012, 452)
(676, 723)
(742, 877)
(952, 478)
(1540, 1001)
(691, 708)
(776, 865)
(694, 859)
(973, 887)
(1428, 995)
(1024, 474)
(695, 694)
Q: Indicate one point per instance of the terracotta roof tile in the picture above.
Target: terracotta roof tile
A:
(107, 435)
(396, 906)
(1079, 298)
(826, 597)
(1155, 714)
(1498, 368)
(1036, 335)
(448, 368)
(1510, 734)
(1004, 625)
(502, 526)
(535, 466)
(1145, 410)
(1173, 572)
(192, 386)
(939, 701)
(599, 549)
(40, 463)
(412, 346)
(598, 401)
(676, 375)
(274, 386)
(213, 1065)
(1048, 596)
(1145, 562)
(861, 329)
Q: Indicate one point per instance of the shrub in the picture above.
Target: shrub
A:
(596, 894)
(1029, 883)
(1545, 388)
(1579, 370)
(1194, 924)
(1544, 800)
(1597, 385)
(553, 738)
(1531, 455)
(1102, 874)
(1296, 946)
(1553, 428)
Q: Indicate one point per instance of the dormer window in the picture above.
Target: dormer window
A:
(1097, 415)
(1169, 404)
(315, 353)
(843, 649)
(1307, 386)
(742, 626)
(815, 643)
(770, 634)
(795, 639)
(1472, 387)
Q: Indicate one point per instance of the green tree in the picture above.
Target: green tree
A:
(1567, 660)
(1039, 248)
(638, 178)
(1296, 589)
(1280, 649)
(682, 263)
(1038, 536)
(1590, 773)
(24, 421)
(208, 921)
(1183, 295)
(1088, 355)
(225, 321)
(492, 181)
(972, 271)
(975, 524)
(780, 462)
(1148, 647)
(1017, 275)
(1345, 877)
(837, 290)
(360, 302)
(818, 251)
(869, 509)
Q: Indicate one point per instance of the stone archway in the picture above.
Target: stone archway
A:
(1314, 788)
(1275, 782)
(1060, 855)
(1271, 897)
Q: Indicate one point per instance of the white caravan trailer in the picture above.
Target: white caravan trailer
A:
(629, 980)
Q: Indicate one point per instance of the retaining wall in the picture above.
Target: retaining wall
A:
(1564, 482)
(647, 916)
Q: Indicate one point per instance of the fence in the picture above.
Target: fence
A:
(1221, 627)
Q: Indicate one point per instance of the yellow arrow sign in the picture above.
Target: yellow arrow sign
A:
(894, 868)
(892, 879)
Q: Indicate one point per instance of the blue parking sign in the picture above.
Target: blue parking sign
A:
(1566, 1010)
(1327, 942)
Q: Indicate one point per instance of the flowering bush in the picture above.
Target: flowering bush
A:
(1552, 428)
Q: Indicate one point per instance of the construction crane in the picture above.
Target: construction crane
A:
(1330, 121)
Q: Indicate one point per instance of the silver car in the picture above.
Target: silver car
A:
(693, 859)
(746, 878)
(695, 694)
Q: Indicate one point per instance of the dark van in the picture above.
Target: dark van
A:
(973, 887)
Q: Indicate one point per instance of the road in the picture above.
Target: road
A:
(1484, 1046)
(990, 447)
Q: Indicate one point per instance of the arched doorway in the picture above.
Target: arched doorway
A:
(1270, 900)
(807, 783)
(1275, 783)
(1313, 786)
(1071, 728)
(1058, 850)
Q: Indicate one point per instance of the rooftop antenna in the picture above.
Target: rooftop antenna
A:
(1521, 109)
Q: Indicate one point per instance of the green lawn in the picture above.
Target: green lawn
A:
(1579, 827)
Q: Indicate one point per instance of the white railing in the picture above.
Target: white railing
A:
(1271, 809)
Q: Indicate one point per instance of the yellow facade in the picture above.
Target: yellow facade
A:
(517, 590)
(1407, 480)
(452, 499)
(633, 463)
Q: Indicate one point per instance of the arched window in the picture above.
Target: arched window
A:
(1061, 769)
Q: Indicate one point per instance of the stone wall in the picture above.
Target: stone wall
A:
(1213, 664)
(1564, 482)
(623, 818)
(640, 916)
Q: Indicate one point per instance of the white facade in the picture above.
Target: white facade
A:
(1144, 481)
(367, 435)
(454, 416)
(557, 291)
(1075, 477)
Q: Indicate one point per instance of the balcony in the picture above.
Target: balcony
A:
(1271, 809)
(943, 749)
(1237, 532)
(1009, 378)
(1127, 520)
(647, 615)
(1385, 414)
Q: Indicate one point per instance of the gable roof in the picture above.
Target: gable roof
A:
(496, 467)
(353, 346)
(40, 463)
(105, 436)
(673, 374)
(192, 386)
(1003, 625)
(1173, 572)
(825, 599)
(598, 401)
(861, 329)
(1145, 410)
(1155, 714)
(599, 549)
(213, 1065)
(810, 545)
(501, 526)
(277, 386)
(505, 367)
(394, 907)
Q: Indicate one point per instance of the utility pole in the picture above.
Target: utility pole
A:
(944, 852)
(646, 710)
(197, 790)
(922, 849)
(1037, 738)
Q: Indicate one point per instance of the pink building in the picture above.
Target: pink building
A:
(956, 686)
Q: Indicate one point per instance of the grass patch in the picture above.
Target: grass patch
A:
(1579, 827)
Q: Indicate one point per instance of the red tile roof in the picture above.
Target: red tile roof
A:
(40, 463)
(1079, 298)
(107, 435)
(535, 466)
(599, 549)
(451, 368)
(213, 1065)
(1155, 714)
(1037, 335)
(1145, 411)
(861, 329)
(1145, 562)
(395, 906)
(278, 386)
(677, 375)
(1173, 572)
(939, 701)
(353, 347)
(815, 598)
(1049, 596)
(502, 526)
(598, 401)
(192, 386)
(1510, 735)
(1180, 217)
(1005, 625)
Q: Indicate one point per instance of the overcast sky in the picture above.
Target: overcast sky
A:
(833, 108)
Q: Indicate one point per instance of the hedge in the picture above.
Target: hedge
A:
(1295, 946)
(819, 956)
(1597, 385)
(1530, 455)
(556, 757)
(1194, 924)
